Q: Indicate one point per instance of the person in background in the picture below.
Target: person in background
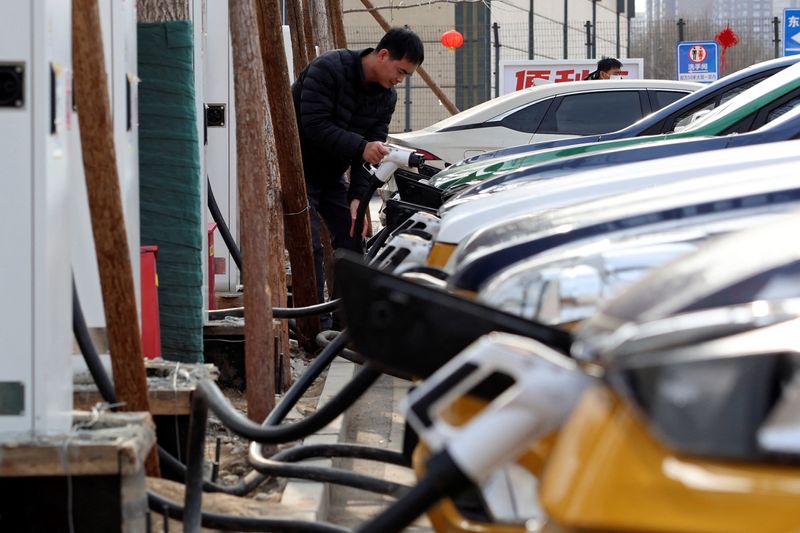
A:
(608, 68)
(344, 101)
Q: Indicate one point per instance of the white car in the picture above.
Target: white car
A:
(540, 113)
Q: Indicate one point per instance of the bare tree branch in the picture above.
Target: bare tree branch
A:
(404, 6)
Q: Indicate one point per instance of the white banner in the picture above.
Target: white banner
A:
(521, 74)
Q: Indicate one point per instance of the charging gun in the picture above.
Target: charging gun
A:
(396, 158)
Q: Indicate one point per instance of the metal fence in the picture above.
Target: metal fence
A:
(467, 75)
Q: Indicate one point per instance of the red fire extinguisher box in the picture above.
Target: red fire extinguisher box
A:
(212, 226)
(151, 328)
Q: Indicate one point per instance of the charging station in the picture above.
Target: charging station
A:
(220, 150)
(35, 215)
(118, 25)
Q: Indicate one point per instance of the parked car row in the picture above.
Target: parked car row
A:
(604, 328)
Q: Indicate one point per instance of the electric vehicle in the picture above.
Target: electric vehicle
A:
(745, 112)
(762, 178)
(527, 191)
(676, 115)
(782, 124)
(568, 284)
(578, 108)
(666, 330)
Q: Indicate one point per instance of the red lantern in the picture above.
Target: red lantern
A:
(452, 39)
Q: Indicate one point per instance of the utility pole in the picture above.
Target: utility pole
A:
(531, 9)
(496, 31)
(594, 29)
(588, 27)
(566, 29)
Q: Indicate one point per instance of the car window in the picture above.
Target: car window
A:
(528, 118)
(593, 113)
(735, 91)
(783, 109)
(664, 98)
(685, 118)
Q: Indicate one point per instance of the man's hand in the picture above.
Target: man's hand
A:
(354, 203)
(374, 152)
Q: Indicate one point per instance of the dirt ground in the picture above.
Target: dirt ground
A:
(233, 464)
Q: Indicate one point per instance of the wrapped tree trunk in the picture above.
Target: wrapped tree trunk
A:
(254, 164)
(105, 205)
(161, 10)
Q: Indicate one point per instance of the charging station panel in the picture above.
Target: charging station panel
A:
(118, 26)
(35, 326)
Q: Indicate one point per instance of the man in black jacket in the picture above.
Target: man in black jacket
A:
(344, 100)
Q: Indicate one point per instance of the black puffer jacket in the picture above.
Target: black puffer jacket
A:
(337, 114)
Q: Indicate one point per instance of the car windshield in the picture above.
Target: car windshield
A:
(464, 116)
(776, 81)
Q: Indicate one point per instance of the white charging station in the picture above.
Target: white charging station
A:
(118, 25)
(35, 218)
(220, 153)
(220, 150)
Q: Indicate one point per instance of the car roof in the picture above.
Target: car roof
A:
(644, 123)
(789, 121)
(788, 77)
(503, 104)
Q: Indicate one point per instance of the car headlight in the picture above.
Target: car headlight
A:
(718, 398)
(570, 289)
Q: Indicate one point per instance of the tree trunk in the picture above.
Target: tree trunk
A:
(162, 10)
(308, 28)
(337, 23)
(294, 12)
(322, 25)
(450, 106)
(105, 205)
(290, 162)
(253, 167)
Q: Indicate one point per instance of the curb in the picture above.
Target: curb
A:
(309, 499)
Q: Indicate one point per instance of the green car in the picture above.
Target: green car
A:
(749, 110)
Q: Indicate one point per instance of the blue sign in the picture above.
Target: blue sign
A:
(698, 61)
(791, 32)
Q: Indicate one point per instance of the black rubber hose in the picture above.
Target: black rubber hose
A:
(443, 477)
(278, 468)
(325, 338)
(354, 451)
(372, 240)
(207, 391)
(106, 389)
(93, 363)
(233, 248)
(280, 312)
(373, 249)
(208, 396)
(224, 522)
(363, 204)
(302, 384)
